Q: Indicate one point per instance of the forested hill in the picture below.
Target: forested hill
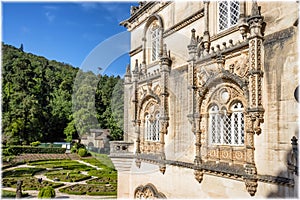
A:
(37, 99)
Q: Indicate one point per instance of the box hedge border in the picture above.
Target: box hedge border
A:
(17, 150)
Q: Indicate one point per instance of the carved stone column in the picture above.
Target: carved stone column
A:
(165, 65)
(255, 110)
(197, 132)
(127, 84)
(192, 50)
(136, 123)
(250, 168)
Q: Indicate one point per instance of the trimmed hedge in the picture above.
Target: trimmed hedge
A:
(17, 150)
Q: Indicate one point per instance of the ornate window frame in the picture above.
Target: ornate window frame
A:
(151, 123)
(152, 40)
(225, 96)
(148, 191)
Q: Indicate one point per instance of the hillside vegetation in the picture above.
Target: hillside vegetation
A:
(45, 100)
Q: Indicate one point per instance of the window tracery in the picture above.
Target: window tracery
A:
(152, 127)
(228, 14)
(155, 41)
(226, 128)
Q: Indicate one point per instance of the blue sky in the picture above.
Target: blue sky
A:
(77, 33)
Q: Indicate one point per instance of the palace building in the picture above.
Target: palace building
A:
(210, 101)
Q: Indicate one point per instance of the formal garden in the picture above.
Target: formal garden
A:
(50, 175)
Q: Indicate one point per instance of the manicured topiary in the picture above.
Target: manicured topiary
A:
(46, 192)
(82, 152)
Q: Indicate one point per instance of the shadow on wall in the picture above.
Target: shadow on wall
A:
(291, 191)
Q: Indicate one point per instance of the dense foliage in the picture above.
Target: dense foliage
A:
(49, 101)
(46, 192)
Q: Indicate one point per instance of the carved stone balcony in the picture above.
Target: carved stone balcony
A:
(122, 154)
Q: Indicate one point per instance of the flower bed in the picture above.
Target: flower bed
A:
(29, 183)
(11, 194)
(21, 172)
(80, 189)
(103, 180)
(65, 164)
(67, 176)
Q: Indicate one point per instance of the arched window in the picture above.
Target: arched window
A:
(227, 128)
(228, 14)
(154, 40)
(152, 127)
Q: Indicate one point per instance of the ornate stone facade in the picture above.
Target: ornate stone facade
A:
(206, 109)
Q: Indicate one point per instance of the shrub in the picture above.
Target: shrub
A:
(46, 192)
(16, 150)
(7, 151)
(35, 144)
(82, 152)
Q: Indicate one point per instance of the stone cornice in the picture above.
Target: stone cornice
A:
(187, 21)
(224, 33)
(223, 170)
(137, 16)
(136, 51)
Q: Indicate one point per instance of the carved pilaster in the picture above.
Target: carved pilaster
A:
(197, 133)
(138, 134)
(165, 67)
(192, 50)
(250, 168)
(255, 22)
(206, 36)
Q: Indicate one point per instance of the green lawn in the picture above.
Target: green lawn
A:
(103, 158)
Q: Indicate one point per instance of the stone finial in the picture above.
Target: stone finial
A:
(193, 37)
(128, 69)
(136, 67)
(255, 10)
(294, 140)
(165, 52)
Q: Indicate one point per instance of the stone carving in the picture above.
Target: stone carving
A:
(240, 65)
(251, 186)
(198, 175)
(148, 191)
(19, 189)
(292, 159)
(162, 169)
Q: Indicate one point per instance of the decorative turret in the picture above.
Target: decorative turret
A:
(243, 26)
(136, 67)
(127, 76)
(255, 21)
(165, 58)
(192, 47)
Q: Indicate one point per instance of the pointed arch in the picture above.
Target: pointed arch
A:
(153, 39)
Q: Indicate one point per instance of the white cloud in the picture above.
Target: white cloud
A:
(48, 7)
(89, 6)
(50, 17)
